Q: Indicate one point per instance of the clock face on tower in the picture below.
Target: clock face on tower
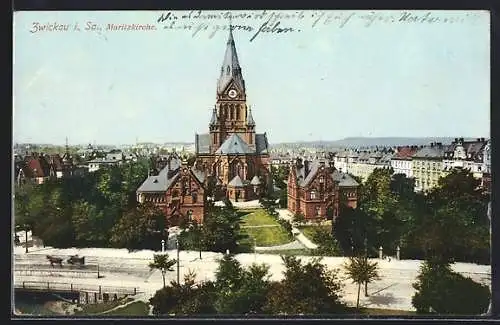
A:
(232, 93)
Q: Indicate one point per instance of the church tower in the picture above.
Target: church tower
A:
(231, 114)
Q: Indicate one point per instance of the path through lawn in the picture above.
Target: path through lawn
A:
(266, 231)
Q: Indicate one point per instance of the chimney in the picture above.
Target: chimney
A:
(456, 140)
(482, 139)
(461, 140)
(478, 140)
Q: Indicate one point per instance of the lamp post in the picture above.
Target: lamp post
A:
(163, 271)
(178, 265)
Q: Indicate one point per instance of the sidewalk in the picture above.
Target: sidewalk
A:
(287, 215)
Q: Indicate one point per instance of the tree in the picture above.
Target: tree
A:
(221, 229)
(87, 223)
(440, 289)
(239, 290)
(163, 263)
(327, 244)
(360, 270)
(299, 218)
(139, 228)
(184, 299)
(305, 289)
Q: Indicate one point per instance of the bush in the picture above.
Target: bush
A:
(443, 291)
(286, 225)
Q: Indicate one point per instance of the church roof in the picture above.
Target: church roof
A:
(230, 70)
(202, 143)
(255, 180)
(236, 182)
(234, 145)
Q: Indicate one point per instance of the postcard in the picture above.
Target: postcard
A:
(207, 163)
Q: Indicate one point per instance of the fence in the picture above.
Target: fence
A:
(70, 287)
(71, 270)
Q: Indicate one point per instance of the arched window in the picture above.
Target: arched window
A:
(238, 109)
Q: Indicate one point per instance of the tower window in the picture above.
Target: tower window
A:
(228, 70)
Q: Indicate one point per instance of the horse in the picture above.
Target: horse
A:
(54, 260)
(75, 259)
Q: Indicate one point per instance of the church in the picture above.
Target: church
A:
(234, 156)
(231, 160)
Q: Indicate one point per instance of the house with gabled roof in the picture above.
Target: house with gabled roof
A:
(317, 189)
(178, 189)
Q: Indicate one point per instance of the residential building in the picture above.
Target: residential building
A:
(363, 163)
(232, 153)
(39, 167)
(402, 162)
(113, 158)
(427, 166)
(466, 155)
(316, 190)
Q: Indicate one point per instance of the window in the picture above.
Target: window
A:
(313, 195)
(318, 210)
(194, 195)
(321, 179)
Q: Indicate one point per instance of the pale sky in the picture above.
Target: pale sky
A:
(420, 79)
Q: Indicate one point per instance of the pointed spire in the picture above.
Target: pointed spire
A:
(213, 120)
(250, 120)
(230, 69)
(66, 157)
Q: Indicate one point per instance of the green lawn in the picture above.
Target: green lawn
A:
(264, 236)
(308, 231)
(138, 308)
(258, 217)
